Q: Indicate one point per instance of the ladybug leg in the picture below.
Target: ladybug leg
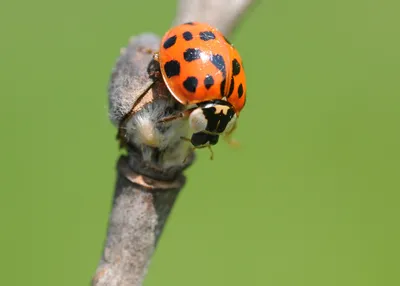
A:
(154, 70)
(201, 147)
(193, 148)
(233, 142)
(156, 56)
(155, 74)
(209, 148)
(228, 138)
(211, 151)
(180, 115)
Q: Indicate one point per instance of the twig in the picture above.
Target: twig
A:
(150, 176)
(223, 14)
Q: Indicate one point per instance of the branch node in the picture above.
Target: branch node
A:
(146, 182)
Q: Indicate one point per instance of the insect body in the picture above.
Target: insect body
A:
(203, 71)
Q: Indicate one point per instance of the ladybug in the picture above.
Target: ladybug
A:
(203, 71)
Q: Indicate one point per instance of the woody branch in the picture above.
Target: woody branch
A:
(150, 176)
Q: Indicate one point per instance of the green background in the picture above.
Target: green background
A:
(310, 198)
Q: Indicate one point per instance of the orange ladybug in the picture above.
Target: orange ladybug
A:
(203, 71)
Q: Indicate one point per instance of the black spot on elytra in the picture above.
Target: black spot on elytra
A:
(208, 81)
(189, 23)
(235, 67)
(169, 42)
(190, 84)
(232, 86)
(207, 35)
(187, 36)
(191, 54)
(219, 63)
(172, 68)
(222, 87)
(240, 90)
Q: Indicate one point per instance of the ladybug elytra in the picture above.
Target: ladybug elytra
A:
(204, 72)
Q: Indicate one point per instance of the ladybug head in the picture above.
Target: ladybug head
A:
(211, 119)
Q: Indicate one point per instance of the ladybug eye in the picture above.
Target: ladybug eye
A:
(197, 120)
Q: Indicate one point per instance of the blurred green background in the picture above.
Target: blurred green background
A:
(311, 198)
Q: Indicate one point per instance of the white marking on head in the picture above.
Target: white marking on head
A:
(221, 108)
(197, 120)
